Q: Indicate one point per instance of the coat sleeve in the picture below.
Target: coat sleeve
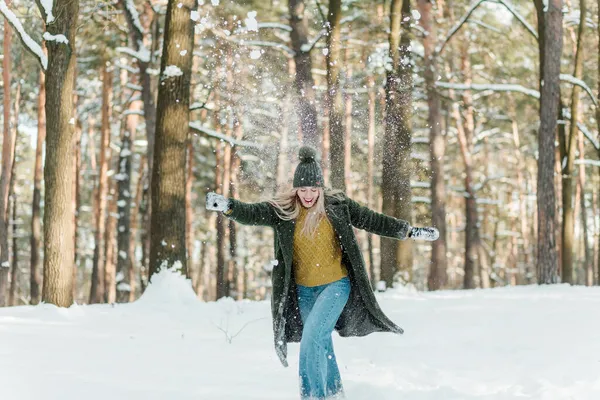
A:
(380, 224)
(252, 213)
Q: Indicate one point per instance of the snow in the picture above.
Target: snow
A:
(255, 54)
(495, 344)
(135, 16)
(251, 22)
(143, 54)
(47, 6)
(55, 38)
(31, 44)
(194, 15)
(215, 2)
(171, 71)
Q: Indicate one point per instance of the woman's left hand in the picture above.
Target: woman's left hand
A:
(426, 233)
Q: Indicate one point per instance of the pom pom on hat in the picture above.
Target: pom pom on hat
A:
(308, 172)
(307, 154)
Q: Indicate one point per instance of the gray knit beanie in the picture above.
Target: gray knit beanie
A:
(308, 172)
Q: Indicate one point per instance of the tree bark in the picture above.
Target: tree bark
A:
(124, 237)
(552, 50)
(437, 278)
(371, 172)
(35, 280)
(189, 211)
(97, 288)
(76, 199)
(568, 180)
(58, 174)
(7, 161)
(167, 234)
(303, 79)
(110, 287)
(348, 125)
(588, 253)
(334, 96)
(474, 254)
(397, 163)
(14, 269)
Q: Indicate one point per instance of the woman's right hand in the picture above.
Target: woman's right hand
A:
(216, 202)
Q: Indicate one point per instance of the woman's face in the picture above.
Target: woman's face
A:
(308, 196)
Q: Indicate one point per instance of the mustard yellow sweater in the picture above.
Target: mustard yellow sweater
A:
(317, 258)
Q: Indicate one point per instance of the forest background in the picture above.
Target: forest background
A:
(477, 117)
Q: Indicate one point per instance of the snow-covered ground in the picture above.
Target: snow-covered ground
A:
(508, 343)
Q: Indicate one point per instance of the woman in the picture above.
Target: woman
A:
(320, 281)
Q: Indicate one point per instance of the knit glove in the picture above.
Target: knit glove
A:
(427, 233)
(216, 202)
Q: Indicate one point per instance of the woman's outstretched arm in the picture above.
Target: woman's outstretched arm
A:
(384, 225)
(244, 213)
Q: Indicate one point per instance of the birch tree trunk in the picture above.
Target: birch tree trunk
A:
(552, 50)
(167, 234)
(124, 237)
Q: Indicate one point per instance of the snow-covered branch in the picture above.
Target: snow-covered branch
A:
(259, 43)
(586, 132)
(274, 25)
(143, 54)
(198, 128)
(31, 45)
(498, 87)
(129, 7)
(571, 79)
(595, 163)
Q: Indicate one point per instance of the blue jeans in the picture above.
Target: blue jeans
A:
(320, 308)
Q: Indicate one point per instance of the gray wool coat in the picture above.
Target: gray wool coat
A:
(361, 315)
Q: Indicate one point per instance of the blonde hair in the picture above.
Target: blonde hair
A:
(288, 205)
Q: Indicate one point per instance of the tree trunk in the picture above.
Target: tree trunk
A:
(474, 254)
(234, 276)
(371, 172)
(124, 237)
(189, 211)
(588, 254)
(334, 96)
(568, 180)
(58, 174)
(348, 126)
(7, 160)
(552, 49)
(76, 199)
(167, 234)
(303, 79)
(397, 163)
(135, 224)
(110, 287)
(35, 280)
(14, 269)
(97, 288)
(437, 278)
